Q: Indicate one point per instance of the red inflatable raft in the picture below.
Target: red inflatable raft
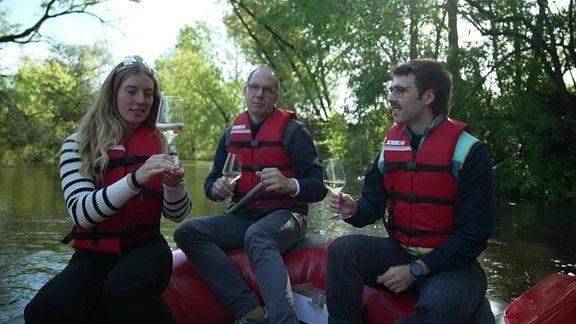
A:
(191, 301)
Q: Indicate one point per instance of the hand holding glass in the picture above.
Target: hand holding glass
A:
(334, 180)
(232, 170)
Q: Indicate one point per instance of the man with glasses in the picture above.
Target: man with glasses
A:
(279, 155)
(435, 180)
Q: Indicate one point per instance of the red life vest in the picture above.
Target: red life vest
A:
(264, 150)
(139, 218)
(421, 189)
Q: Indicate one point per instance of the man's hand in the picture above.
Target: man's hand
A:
(343, 204)
(397, 278)
(222, 188)
(273, 180)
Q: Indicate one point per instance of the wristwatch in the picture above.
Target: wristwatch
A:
(416, 269)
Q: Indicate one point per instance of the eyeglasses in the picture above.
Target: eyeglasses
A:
(254, 89)
(132, 60)
(398, 91)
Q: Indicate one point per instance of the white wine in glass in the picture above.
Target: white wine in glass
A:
(232, 170)
(335, 186)
(334, 180)
(170, 121)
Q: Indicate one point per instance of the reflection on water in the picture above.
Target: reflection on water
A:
(530, 241)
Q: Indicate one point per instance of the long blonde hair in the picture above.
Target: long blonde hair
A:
(102, 126)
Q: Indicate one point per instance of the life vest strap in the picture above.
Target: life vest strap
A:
(414, 232)
(254, 168)
(416, 199)
(125, 160)
(255, 143)
(96, 234)
(144, 192)
(409, 165)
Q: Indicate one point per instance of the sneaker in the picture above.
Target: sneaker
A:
(264, 320)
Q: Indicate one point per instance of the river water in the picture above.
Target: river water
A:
(531, 241)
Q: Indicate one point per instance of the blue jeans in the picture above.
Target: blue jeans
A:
(356, 260)
(264, 237)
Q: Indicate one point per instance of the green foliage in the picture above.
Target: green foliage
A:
(191, 70)
(365, 139)
(357, 144)
(44, 100)
(335, 131)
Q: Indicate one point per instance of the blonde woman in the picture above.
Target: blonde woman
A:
(117, 182)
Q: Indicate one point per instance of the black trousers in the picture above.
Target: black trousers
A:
(102, 288)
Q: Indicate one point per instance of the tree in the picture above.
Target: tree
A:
(52, 9)
(193, 71)
(43, 101)
(269, 34)
(534, 28)
(531, 50)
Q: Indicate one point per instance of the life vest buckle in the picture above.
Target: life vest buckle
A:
(412, 198)
(410, 165)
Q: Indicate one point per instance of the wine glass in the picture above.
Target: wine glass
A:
(170, 121)
(334, 180)
(232, 170)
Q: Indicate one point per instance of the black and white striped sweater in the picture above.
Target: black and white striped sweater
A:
(88, 206)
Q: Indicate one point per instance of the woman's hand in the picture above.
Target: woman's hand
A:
(173, 178)
(172, 171)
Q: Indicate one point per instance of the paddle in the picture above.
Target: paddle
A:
(255, 191)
